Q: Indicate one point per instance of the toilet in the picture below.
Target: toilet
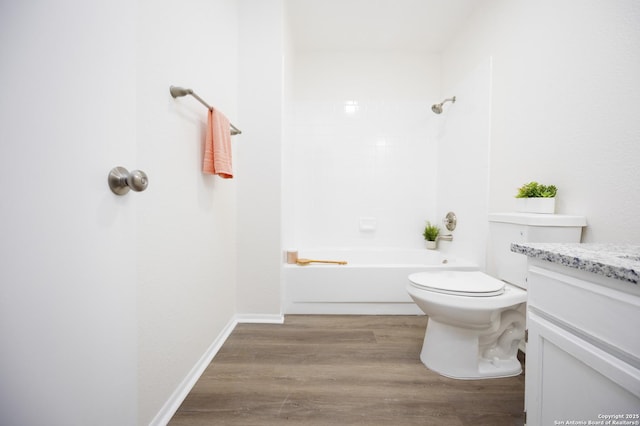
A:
(476, 319)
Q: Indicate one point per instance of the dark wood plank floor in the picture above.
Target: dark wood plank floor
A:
(341, 370)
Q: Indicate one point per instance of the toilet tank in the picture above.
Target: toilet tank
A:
(507, 228)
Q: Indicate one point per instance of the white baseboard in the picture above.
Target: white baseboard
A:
(170, 407)
(177, 397)
(260, 319)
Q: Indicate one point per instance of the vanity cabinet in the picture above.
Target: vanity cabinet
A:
(583, 348)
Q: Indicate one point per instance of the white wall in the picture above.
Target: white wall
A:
(374, 161)
(187, 220)
(463, 134)
(565, 104)
(67, 244)
(259, 158)
(288, 203)
(107, 303)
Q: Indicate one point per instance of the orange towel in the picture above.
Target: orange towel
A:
(217, 147)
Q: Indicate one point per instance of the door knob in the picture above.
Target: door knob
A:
(121, 180)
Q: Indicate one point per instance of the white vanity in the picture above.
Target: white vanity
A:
(583, 319)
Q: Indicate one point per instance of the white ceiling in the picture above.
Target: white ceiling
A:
(413, 25)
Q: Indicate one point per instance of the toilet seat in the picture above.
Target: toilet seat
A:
(458, 283)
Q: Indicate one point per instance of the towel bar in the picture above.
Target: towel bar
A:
(177, 92)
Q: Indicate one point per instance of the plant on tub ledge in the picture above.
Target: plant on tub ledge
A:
(533, 197)
(430, 234)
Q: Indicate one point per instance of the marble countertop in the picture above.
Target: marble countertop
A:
(619, 261)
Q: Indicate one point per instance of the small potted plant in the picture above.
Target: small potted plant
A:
(430, 234)
(533, 197)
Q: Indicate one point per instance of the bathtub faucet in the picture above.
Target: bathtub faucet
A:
(448, 237)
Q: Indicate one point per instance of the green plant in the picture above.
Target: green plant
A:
(536, 190)
(431, 232)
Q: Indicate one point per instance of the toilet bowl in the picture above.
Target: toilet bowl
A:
(474, 326)
(476, 322)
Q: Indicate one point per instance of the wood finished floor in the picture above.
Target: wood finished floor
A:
(341, 370)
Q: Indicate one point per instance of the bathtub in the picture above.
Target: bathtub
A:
(371, 283)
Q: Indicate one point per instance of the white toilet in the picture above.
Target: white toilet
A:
(476, 322)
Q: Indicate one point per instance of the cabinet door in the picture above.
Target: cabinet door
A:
(569, 379)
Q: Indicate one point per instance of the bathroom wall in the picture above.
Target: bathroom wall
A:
(106, 302)
(259, 159)
(361, 158)
(67, 245)
(187, 220)
(463, 133)
(565, 103)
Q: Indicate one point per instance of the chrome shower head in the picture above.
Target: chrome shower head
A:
(437, 108)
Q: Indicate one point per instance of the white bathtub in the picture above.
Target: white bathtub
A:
(372, 283)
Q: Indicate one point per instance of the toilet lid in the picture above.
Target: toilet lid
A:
(460, 283)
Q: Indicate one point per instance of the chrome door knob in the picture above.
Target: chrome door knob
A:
(121, 181)
(138, 180)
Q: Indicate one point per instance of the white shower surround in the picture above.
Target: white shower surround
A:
(366, 167)
(364, 171)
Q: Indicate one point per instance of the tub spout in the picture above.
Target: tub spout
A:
(448, 237)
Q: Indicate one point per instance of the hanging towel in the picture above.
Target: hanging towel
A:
(217, 146)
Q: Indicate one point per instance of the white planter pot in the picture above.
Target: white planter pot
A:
(431, 245)
(536, 205)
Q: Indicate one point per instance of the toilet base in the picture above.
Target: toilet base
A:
(454, 352)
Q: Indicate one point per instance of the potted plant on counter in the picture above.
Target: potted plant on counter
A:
(430, 234)
(533, 197)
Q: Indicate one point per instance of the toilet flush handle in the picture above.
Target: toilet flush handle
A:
(121, 180)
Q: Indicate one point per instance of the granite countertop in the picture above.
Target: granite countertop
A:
(619, 261)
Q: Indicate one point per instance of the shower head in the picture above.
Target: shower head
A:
(437, 108)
